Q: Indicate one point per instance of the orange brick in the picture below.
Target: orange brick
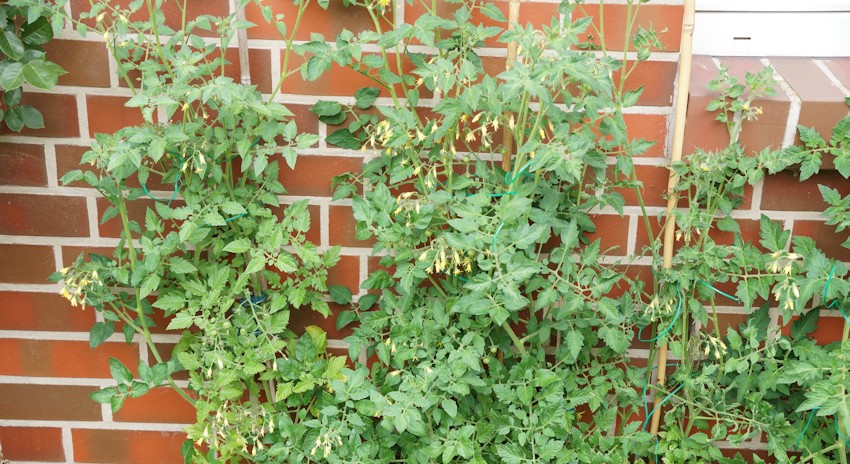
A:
(664, 19)
(158, 405)
(312, 174)
(328, 22)
(347, 273)
(42, 311)
(127, 446)
(32, 444)
(108, 114)
(59, 358)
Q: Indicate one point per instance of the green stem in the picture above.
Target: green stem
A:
(517, 342)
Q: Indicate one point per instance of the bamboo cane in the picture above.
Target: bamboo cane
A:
(242, 41)
(676, 155)
(507, 135)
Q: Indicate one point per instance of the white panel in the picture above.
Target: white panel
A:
(772, 34)
(773, 5)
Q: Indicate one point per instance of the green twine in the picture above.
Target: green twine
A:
(834, 303)
(651, 413)
(808, 423)
(716, 290)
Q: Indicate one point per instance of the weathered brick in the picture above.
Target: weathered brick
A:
(48, 402)
(61, 358)
(26, 264)
(23, 165)
(42, 311)
(43, 215)
(127, 446)
(32, 444)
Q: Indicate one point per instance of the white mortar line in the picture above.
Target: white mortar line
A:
(95, 425)
(50, 165)
(68, 444)
(324, 224)
(835, 81)
(94, 224)
(82, 115)
(793, 110)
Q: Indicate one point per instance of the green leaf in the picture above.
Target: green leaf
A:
(240, 245)
(149, 284)
(181, 266)
(38, 32)
(42, 74)
(32, 117)
(12, 76)
(14, 119)
(340, 294)
(343, 139)
(344, 318)
(99, 332)
(104, 396)
(119, 372)
(11, 45)
(773, 236)
(727, 224)
(326, 108)
(188, 361)
(364, 97)
(449, 406)
(182, 320)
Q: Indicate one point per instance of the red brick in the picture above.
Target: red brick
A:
(652, 127)
(48, 402)
(158, 405)
(829, 330)
(108, 114)
(26, 264)
(60, 358)
(32, 444)
(305, 120)
(312, 175)
(328, 22)
(536, 14)
(347, 273)
(170, 10)
(725, 322)
(87, 63)
(59, 112)
(822, 102)
(259, 61)
(68, 159)
(42, 311)
(22, 165)
(127, 446)
(613, 230)
(806, 195)
(135, 211)
(840, 68)
(654, 188)
(43, 215)
(338, 81)
(666, 20)
(656, 77)
(342, 226)
(825, 236)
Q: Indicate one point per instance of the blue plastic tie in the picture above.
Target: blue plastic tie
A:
(716, 290)
(672, 323)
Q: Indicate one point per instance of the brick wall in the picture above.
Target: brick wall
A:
(47, 370)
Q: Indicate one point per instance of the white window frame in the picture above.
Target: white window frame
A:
(809, 28)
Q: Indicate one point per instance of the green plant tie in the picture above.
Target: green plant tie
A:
(808, 423)
(651, 413)
(669, 327)
(716, 290)
(833, 303)
(509, 181)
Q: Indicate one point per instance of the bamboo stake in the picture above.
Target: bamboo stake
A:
(676, 155)
(507, 135)
(242, 41)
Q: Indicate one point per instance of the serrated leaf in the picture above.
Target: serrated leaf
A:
(99, 332)
(119, 371)
(38, 32)
(182, 320)
(188, 361)
(326, 108)
(181, 266)
(149, 284)
(104, 396)
(344, 318)
(240, 245)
